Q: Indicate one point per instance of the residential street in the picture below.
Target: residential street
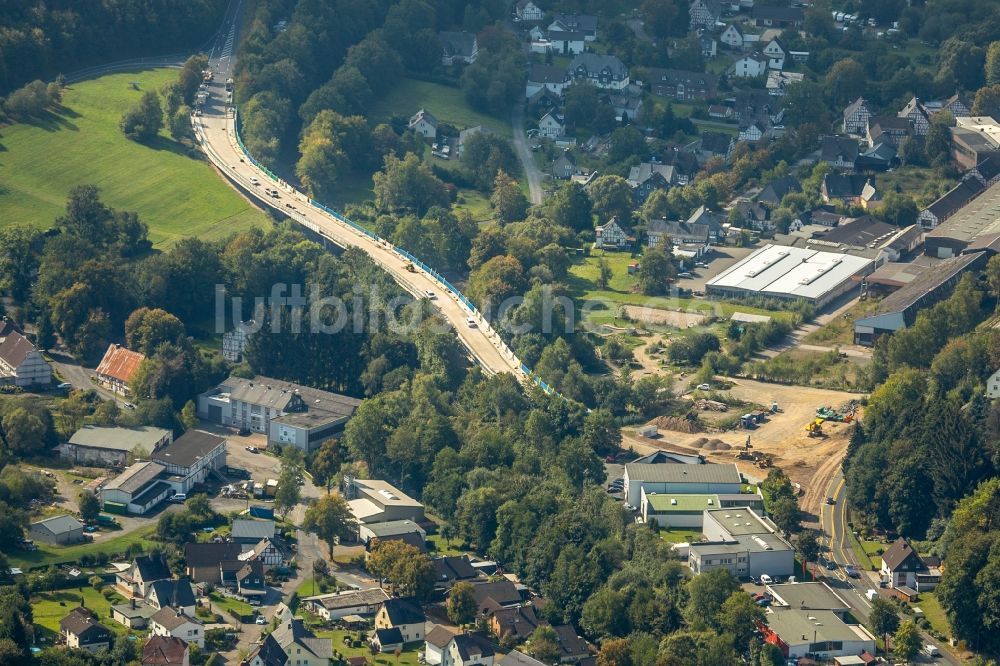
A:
(531, 170)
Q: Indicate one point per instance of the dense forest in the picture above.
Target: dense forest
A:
(41, 39)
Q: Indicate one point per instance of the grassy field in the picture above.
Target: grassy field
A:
(840, 331)
(222, 602)
(47, 554)
(408, 657)
(50, 607)
(446, 103)
(922, 183)
(175, 195)
(680, 536)
(934, 613)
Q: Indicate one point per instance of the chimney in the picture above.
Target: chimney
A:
(132, 603)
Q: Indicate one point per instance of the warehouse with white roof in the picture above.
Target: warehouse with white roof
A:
(791, 273)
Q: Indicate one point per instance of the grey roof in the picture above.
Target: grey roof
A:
(349, 599)
(954, 199)
(244, 528)
(644, 171)
(171, 618)
(901, 555)
(82, 622)
(777, 13)
(776, 190)
(855, 106)
(470, 646)
(860, 231)
(925, 283)
(810, 596)
(570, 644)
(502, 592)
(824, 625)
(391, 636)
(515, 658)
(118, 439)
(174, 592)
(739, 521)
(270, 652)
(14, 348)
(152, 567)
(141, 610)
(458, 43)
(454, 567)
(208, 554)
(135, 477)
(393, 527)
(294, 631)
(838, 186)
(188, 449)
(547, 74)
(688, 78)
(581, 22)
(593, 63)
(58, 524)
(679, 230)
(977, 217)
(422, 114)
(717, 143)
(277, 394)
(726, 473)
(403, 611)
(838, 148)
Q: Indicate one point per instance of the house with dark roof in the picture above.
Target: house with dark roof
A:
(191, 458)
(173, 622)
(117, 368)
(848, 188)
(516, 658)
(139, 488)
(607, 72)
(495, 594)
(135, 582)
(57, 530)
(840, 152)
(451, 569)
(250, 580)
(572, 647)
(514, 624)
(203, 561)
(21, 364)
(469, 650)
(386, 640)
(249, 532)
(900, 564)
(404, 615)
(585, 24)
(986, 172)
(612, 236)
(165, 651)
(775, 191)
(715, 144)
(458, 47)
(80, 629)
(564, 166)
(291, 642)
(917, 114)
(777, 17)
(423, 123)
(526, 10)
(950, 203)
(546, 77)
(681, 84)
(171, 592)
(879, 157)
(334, 606)
(679, 233)
(888, 129)
(647, 177)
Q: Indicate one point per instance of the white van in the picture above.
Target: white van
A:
(765, 579)
(871, 594)
(931, 650)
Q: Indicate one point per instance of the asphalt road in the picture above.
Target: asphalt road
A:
(834, 526)
(531, 171)
(215, 132)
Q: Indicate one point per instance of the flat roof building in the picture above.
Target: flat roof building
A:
(819, 633)
(688, 511)
(740, 541)
(666, 478)
(790, 273)
(807, 596)
(377, 501)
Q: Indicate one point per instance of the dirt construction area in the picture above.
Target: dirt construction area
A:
(809, 461)
(660, 317)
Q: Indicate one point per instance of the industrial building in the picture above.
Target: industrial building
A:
(107, 445)
(672, 478)
(819, 633)
(978, 218)
(741, 541)
(676, 510)
(791, 273)
(899, 309)
(376, 501)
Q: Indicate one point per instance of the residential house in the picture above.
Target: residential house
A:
(514, 624)
(234, 342)
(572, 647)
(377, 501)
(334, 606)
(751, 131)
(458, 47)
(248, 531)
(957, 105)
(849, 188)
(57, 530)
(684, 162)
(840, 152)
(552, 126)
(682, 84)
(171, 592)
(516, 658)
(564, 166)
(777, 17)
(704, 14)
(250, 582)
(546, 77)
(856, 117)
(291, 643)
(986, 172)
(21, 364)
(753, 214)
(203, 561)
(611, 236)
(950, 203)
(174, 622)
(117, 368)
(888, 129)
(110, 445)
(424, 123)
(495, 594)
(135, 582)
(732, 36)
(607, 72)
(267, 552)
(583, 23)
(749, 66)
(993, 386)
(775, 54)
(526, 10)
(450, 569)
(720, 111)
(709, 46)
(626, 102)
(165, 651)
(436, 644)
(696, 236)
(715, 144)
(565, 42)
(287, 413)
(879, 157)
(80, 629)
(647, 177)
(404, 615)
(777, 82)
(775, 191)
(386, 640)
(468, 650)
(918, 116)
(900, 564)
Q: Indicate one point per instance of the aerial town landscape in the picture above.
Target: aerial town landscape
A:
(568, 332)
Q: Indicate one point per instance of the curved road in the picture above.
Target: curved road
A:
(215, 130)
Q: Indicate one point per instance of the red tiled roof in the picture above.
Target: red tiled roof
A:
(120, 363)
(163, 651)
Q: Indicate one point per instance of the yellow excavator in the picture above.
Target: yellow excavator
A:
(815, 428)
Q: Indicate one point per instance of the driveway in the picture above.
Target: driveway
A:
(531, 171)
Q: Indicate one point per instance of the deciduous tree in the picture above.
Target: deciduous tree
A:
(330, 519)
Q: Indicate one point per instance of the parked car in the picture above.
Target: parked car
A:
(178, 498)
(831, 565)
(253, 449)
(260, 620)
(65, 386)
(852, 572)
(704, 387)
(685, 275)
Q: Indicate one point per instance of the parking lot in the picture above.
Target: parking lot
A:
(718, 260)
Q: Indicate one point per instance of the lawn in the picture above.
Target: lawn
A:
(934, 613)
(437, 545)
(446, 103)
(407, 658)
(50, 607)
(680, 536)
(175, 195)
(229, 604)
(840, 331)
(48, 554)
